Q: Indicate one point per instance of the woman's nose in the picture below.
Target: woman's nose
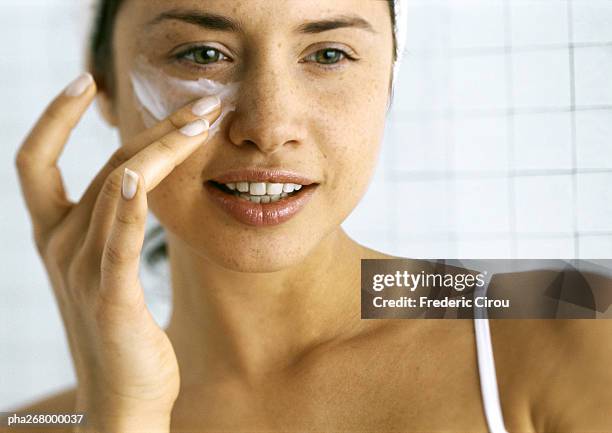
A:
(267, 112)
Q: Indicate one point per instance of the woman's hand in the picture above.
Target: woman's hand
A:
(128, 377)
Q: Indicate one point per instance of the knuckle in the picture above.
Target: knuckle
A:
(128, 219)
(174, 120)
(165, 146)
(118, 157)
(112, 184)
(115, 256)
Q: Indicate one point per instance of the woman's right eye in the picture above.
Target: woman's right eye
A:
(202, 55)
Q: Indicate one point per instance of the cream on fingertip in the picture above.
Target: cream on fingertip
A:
(194, 128)
(79, 85)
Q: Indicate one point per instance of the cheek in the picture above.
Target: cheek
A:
(129, 116)
(351, 129)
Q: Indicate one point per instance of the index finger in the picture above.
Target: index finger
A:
(207, 108)
(36, 160)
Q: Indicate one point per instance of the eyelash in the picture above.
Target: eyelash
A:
(183, 56)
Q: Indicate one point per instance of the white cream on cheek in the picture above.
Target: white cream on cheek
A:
(160, 95)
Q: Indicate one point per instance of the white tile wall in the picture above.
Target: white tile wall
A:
(544, 204)
(536, 22)
(541, 79)
(476, 23)
(433, 248)
(594, 201)
(420, 145)
(484, 248)
(592, 21)
(441, 189)
(480, 143)
(543, 141)
(424, 207)
(481, 206)
(596, 246)
(593, 132)
(479, 82)
(593, 69)
(560, 247)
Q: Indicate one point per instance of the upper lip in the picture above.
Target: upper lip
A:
(263, 175)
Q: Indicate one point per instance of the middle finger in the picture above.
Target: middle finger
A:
(207, 108)
(153, 164)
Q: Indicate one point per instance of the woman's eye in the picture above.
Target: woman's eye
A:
(202, 55)
(328, 56)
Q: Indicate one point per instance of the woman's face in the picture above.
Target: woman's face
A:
(312, 100)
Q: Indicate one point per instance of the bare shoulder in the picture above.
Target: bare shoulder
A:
(583, 376)
(559, 367)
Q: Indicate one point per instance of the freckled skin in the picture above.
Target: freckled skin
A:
(324, 124)
(256, 309)
(266, 321)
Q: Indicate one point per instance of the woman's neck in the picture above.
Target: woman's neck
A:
(228, 324)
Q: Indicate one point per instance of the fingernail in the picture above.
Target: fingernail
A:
(79, 85)
(129, 184)
(194, 128)
(206, 105)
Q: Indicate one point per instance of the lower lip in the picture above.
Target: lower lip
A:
(261, 214)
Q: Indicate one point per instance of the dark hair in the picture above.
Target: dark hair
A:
(102, 68)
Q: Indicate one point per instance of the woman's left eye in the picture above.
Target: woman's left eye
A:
(328, 56)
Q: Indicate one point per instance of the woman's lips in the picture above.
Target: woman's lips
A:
(261, 214)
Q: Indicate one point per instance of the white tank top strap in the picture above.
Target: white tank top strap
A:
(486, 369)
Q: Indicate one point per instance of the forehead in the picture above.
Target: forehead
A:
(260, 16)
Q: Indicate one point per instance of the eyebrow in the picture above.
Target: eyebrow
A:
(337, 22)
(222, 23)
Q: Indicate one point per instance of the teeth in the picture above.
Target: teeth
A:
(257, 188)
(262, 192)
(274, 188)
